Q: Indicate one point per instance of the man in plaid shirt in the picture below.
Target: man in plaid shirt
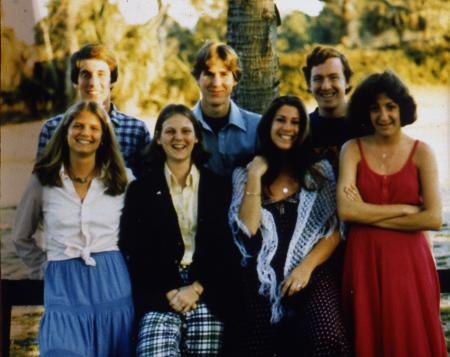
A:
(93, 72)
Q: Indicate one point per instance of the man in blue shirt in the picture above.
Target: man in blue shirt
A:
(229, 132)
(94, 71)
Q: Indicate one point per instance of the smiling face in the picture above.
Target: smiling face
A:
(94, 81)
(84, 134)
(328, 86)
(385, 116)
(216, 85)
(285, 127)
(177, 138)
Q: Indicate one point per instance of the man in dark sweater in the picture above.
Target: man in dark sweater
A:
(327, 73)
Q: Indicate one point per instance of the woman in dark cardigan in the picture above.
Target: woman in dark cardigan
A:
(175, 237)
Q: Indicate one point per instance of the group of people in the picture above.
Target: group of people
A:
(231, 233)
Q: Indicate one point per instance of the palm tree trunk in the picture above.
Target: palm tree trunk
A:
(252, 33)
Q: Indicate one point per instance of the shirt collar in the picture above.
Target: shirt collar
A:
(235, 117)
(191, 180)
(114, 115)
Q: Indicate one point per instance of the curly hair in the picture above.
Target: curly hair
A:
(300, 156)
(154, 154)
(367, 92)
(217, 50)
(109, 160)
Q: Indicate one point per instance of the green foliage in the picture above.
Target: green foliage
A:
(294, 31)
(208, 28)
(417, 65)
(155, 58)
(326, 28)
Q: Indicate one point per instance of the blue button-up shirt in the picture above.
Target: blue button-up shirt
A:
(131, 133)
(236, 143)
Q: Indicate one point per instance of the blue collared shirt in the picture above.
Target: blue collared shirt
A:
(236, 143)
(132, 135)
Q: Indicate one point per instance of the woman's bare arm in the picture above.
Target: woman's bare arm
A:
(300, 276)
(351, 209)
(430, 217)
(250, 209)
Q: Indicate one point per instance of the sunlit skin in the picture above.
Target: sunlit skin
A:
(84, 135)
(328, 86)
(216, 85)
(285, 127)
(94, 82)
(385, 117)
(177, 139)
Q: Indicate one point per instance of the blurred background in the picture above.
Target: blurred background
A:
(155, 42)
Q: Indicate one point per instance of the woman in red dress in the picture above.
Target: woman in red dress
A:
(388, 191)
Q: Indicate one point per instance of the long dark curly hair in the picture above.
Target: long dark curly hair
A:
(300, 156)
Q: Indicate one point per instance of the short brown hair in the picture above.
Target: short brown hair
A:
(217, 49)
(93, 51)
(319, 55)
(154, 153)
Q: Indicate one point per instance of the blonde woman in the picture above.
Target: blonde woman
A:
(77, 190)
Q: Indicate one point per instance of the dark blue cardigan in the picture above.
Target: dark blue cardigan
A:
(151, 241)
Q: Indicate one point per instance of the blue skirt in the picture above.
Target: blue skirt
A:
(88, 310)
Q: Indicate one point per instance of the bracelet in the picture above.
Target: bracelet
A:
(248, 193)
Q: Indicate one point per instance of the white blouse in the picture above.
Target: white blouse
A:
(185, 201)
(71, 228)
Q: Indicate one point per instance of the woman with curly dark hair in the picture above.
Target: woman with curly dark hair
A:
(388, 191)
(283, 217)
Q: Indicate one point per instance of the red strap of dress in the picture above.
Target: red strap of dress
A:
(411, 154)
(361, 151)
(416, 143)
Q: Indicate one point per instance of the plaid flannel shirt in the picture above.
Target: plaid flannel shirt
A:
(132, 135)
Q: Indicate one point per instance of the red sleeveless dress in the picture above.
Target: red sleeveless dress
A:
(390, 284)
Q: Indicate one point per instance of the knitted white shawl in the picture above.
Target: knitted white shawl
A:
(316, 219)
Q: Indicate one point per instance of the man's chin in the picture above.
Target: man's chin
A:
(214, 102)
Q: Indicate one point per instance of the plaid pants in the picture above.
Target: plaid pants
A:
(172, 334)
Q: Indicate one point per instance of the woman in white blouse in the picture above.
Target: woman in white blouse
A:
(77, 192)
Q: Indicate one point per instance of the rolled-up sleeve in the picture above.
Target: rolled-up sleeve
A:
(28, 216)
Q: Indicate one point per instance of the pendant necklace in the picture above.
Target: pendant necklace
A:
(79, 179)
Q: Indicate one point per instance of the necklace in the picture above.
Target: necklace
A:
(81, 180)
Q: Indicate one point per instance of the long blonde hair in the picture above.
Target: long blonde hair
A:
(109, 160)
